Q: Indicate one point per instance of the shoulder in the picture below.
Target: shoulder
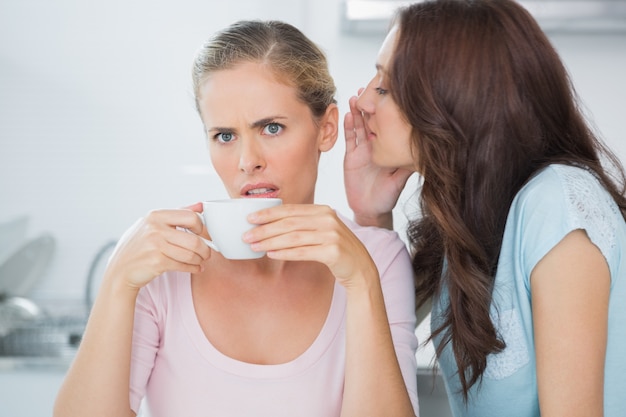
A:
(545, 186)
(378, 241)
(572, 193)
(558, 200)
(388, 251)
(163, 285)
(558, 181)
(158, 295)
(395, 270)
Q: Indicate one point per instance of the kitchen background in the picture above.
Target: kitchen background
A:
(98, 126)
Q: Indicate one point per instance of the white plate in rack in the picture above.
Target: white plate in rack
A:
(23, 269)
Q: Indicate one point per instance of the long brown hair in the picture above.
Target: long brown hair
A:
(490, 104)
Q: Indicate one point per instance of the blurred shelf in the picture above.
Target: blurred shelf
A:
(30, 363)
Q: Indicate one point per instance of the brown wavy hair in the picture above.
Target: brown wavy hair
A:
(491, 104)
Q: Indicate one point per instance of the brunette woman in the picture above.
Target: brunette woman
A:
(521, 240)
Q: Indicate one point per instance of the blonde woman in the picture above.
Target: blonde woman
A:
(323, 325)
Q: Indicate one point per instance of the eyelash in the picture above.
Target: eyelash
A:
(280, 126)
(216, 137)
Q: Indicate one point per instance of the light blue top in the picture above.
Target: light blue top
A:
(555, 202)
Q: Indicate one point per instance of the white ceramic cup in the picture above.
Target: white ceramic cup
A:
(226, 221)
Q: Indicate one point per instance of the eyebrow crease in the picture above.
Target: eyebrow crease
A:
(254, 125)
(264, 121)
(219, 129)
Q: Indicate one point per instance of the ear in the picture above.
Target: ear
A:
(329, 128)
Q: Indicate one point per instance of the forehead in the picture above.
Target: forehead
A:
(386, 50)
(250, 90)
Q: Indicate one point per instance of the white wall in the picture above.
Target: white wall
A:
(97, 123)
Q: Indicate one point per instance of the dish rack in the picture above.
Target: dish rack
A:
(45, 336)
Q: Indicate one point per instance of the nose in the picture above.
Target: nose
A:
(251, 156)
(365, 102)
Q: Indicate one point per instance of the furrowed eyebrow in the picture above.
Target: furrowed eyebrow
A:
(218, 129)
(265, 121)
(254, 125)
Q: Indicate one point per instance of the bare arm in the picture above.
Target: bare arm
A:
(374, 385)
(98, 380)
(97, 383)
(570, 297)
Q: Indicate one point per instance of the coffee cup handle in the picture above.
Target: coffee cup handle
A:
(208, 242)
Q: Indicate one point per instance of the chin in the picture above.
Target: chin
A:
(382, 162)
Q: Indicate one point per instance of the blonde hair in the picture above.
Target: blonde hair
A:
(286, 51)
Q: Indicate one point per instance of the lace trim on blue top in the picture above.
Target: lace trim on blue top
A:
(515, 355)
(591, 208)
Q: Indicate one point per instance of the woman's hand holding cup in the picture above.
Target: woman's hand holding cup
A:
(308, 232)
(156, 244)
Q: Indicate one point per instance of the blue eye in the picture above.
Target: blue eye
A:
(272, 129)
(380, 91)
(224, 137)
